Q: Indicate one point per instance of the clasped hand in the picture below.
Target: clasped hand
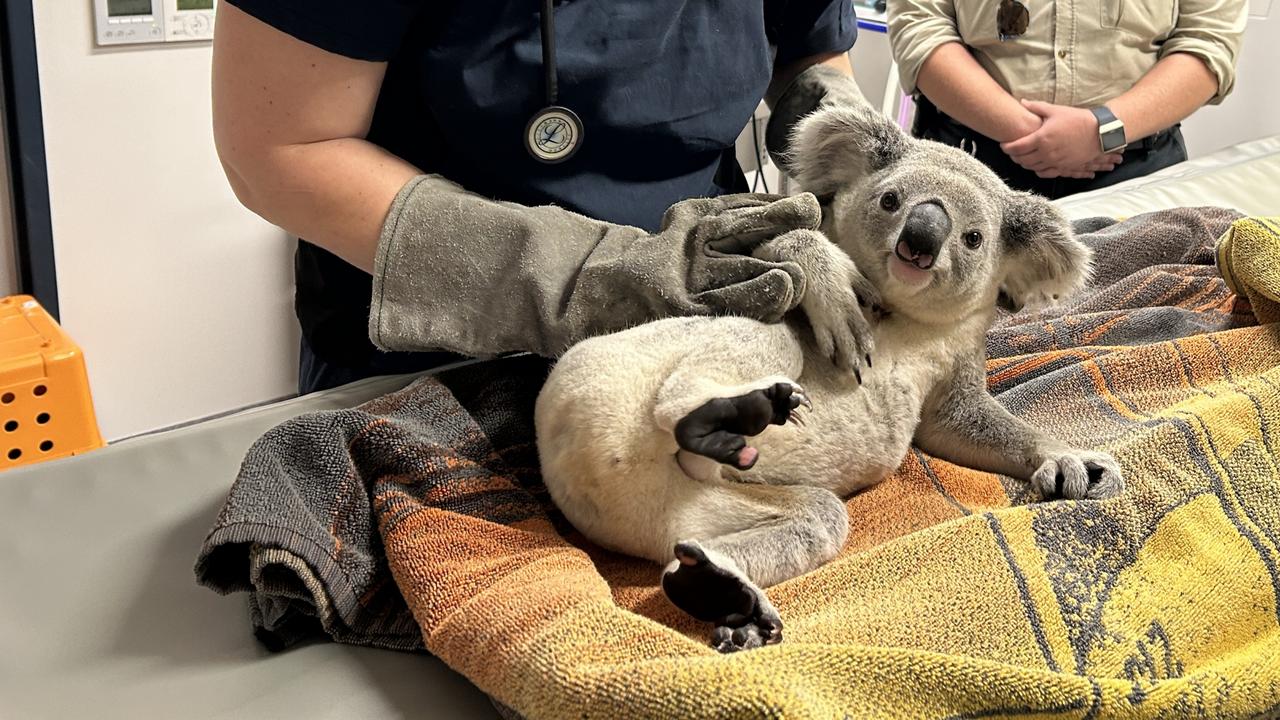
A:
(1063, 143)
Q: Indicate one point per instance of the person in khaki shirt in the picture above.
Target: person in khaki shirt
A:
(1062, 97)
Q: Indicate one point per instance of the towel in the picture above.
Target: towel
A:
(1248, 256)
(956, 596)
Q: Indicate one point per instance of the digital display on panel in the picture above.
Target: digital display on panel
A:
(120, 8)
(195, 4)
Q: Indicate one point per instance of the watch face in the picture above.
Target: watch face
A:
(1113, 140)
(554, 134)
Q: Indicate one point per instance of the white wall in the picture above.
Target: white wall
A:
(872, 61)
(181, 299)
(1253, 108)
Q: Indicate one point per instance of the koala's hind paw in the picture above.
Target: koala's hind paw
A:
(743, 615)
(1079, 474)
(718, 429)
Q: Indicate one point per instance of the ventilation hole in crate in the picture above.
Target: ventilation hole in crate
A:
(40, 390)
(6, 398)
(14, 454)
(11, 426)
(42, 418)
(46, 446)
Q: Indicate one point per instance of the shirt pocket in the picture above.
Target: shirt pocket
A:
(1151, 20)
(976, 22)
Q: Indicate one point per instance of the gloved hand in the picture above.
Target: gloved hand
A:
(460, 272)
(815, 86)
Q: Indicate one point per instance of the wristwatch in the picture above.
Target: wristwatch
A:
(1110, 130)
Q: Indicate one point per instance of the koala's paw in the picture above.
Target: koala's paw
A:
(719, 428)
(743, 616)
(1079, 474)
(838, 310)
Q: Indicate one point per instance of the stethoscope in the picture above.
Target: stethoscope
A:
(554, 133)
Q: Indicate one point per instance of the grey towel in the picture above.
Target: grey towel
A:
(299, 530)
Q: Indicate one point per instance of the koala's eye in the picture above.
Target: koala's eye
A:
(889, 201)
(973, 239)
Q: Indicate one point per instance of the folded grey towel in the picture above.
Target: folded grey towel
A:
(299, 532)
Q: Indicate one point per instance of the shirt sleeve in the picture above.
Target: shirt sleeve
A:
(1211, 30)
(803, 28)
(359, 29)
(916, 29)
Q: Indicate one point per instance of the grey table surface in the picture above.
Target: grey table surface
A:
(100, 614)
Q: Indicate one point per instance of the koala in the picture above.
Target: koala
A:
(643, 434)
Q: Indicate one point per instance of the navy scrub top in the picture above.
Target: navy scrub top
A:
(663, 87)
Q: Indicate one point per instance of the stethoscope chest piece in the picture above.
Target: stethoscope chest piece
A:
(553, 134)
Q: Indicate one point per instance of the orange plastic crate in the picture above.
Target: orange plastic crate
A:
(45, 408)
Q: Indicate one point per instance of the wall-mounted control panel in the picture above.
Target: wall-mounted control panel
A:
(126, 22)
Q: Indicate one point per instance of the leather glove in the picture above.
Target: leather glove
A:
(460, 272)
(815, 86)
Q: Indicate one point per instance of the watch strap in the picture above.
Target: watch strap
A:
(1111, 135)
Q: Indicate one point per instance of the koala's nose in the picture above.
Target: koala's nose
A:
(922, 236)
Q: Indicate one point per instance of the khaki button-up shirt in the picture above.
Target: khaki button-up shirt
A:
(1080, 53)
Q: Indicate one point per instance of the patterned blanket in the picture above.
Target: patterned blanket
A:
(418, 520)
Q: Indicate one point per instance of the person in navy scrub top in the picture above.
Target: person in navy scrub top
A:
(325, 109)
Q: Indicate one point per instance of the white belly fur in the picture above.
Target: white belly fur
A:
(613, 472)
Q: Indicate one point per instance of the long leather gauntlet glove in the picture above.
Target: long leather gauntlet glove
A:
(813, 87)
(460, 272)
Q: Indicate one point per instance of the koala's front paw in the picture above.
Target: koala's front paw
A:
(837, 308)
(1078, 474)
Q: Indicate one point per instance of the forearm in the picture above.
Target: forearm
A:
(954, 81)
(965, 425)
(288, 123)
(1170, 91)
(334, 193)
(974, 431)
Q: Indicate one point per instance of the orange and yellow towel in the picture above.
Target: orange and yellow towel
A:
(957, 596)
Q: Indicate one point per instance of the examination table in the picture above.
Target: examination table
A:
(100, 615)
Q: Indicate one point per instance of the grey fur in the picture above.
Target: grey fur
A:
(605, 417)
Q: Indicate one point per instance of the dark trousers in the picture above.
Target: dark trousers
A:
(1141, 158)
(316, 373)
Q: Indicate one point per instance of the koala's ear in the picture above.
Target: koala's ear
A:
(1043, 261)
(838, 144)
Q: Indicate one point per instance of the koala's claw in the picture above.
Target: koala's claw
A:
(746, 637)
(836, 309)
(848, 344)
(1079, 474)
(801, 398)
